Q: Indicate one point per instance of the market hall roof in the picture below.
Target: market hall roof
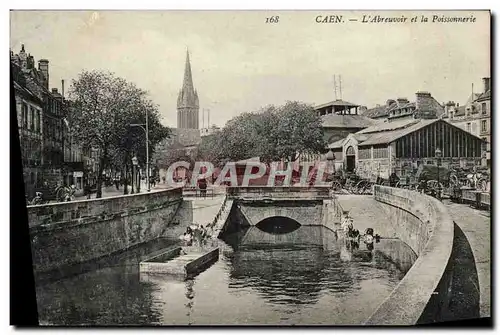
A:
(346, 121)
(390, 134)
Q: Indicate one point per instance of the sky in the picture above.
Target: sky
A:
(240, 63)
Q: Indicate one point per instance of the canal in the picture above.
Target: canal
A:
(305, 276)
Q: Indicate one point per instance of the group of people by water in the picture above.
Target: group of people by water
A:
(353, 237)
(196, 235)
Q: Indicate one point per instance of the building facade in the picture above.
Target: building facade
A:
(401, 146)
(29, 110)
(424, 107)
(49, 154)
(188, 107)
(475, 117)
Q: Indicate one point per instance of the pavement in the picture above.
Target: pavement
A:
(476, 225)
(200, 210)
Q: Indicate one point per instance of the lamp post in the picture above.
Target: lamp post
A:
(438, 164)
(146, 130)
(134, 165)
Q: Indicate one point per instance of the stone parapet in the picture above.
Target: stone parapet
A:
(279, 193)
(69, 233)
(424, 224)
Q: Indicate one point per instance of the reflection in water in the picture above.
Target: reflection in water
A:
(308, 276)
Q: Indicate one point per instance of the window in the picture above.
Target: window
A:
(25, 116)
(32, 118)
(365, 153)
(37, 124)
(483, 125)
(483, 108)
(380, 153)
(467, 127)
(484, 145)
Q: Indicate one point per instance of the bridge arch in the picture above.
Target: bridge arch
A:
(278, 225)
(304, 213)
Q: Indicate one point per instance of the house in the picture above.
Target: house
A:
(424, 107)
(475, 117)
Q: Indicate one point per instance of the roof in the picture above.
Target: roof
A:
(346, 121)
(26, 91)
(460, 111)
(388, 126)
(485, 96)
(391, 134)
(338, 103)
(336, 144)
(376, 112)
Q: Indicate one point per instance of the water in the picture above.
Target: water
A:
(307, 276)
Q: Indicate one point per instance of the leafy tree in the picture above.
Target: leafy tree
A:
(273, 133)
(102, 110)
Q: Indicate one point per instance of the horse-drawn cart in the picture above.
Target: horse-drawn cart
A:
(432, 179)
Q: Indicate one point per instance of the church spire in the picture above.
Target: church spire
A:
(187, 85)
(187, 102)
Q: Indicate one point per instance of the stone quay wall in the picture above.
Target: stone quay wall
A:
(69, 233)
(424, 224)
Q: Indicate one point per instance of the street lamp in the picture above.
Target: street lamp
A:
(146, 130)
(134, 165)
(438, 163)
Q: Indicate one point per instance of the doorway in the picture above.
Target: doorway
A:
(350, 159)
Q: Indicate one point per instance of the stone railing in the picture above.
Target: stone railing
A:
(279, 193)
(424, 224)
(70, 233)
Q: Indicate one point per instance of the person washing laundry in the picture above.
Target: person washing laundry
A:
(347, 224)
(187, 237)
(370, 238)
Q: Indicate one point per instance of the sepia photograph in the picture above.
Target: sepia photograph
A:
(252, 167)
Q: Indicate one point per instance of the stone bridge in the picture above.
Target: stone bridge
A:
(305, 205)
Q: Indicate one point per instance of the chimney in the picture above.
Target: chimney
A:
(486, 83)
(54, 90)
(43, 66)
(23, 57)
(425, 105)
(62, 87)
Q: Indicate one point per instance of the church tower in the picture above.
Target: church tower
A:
(188, 107)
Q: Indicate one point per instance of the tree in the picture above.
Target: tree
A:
(298, 131)
(273, 133)
(103, 108)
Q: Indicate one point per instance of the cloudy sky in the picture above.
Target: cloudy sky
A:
(240, 63)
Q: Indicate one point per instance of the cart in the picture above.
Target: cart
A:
(432, 179)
